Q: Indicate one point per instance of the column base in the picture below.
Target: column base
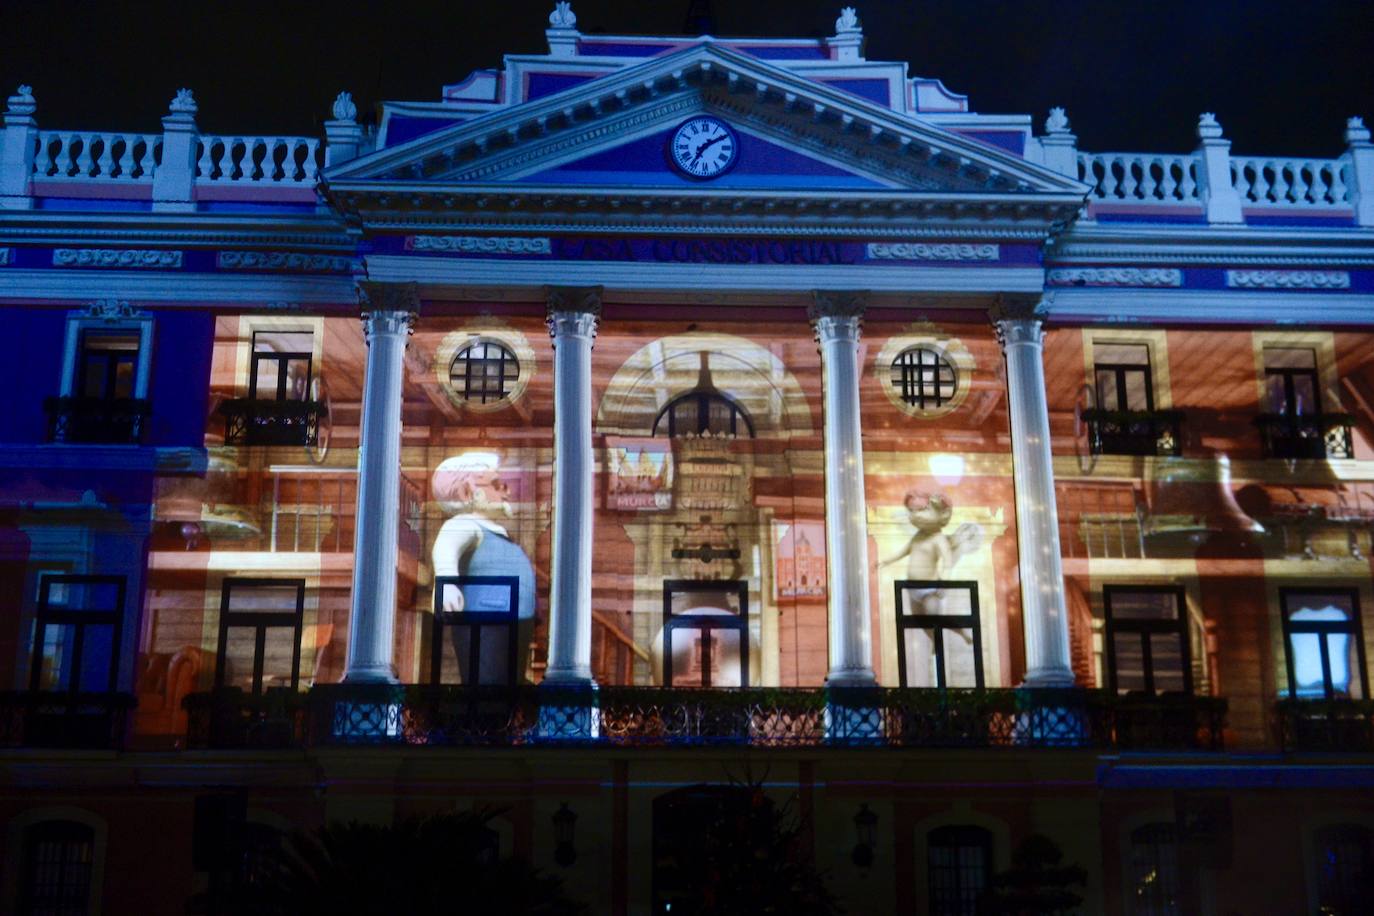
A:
(854, 714)
(847, 678)
(1052, 717)
(569, 710)
(1049, 677)
(370, 674)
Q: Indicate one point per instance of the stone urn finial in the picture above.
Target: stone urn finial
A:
(22, 102)
(562, 16)
(1208, 127)
(1057, 122)
(344, 109)
(184, 103)
(848, 22)
(1355, 131)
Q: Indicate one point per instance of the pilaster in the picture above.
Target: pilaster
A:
(17, 150)
(174, 182)
(1218, 189)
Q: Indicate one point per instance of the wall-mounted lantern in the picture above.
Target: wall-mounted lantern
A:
(865, 829)
(564, 825)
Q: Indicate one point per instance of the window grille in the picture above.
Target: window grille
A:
(484, 372)
(924, 378)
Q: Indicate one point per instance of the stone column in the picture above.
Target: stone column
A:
(1020, 330)
(837, 317)
(388, 313)
(572, 318)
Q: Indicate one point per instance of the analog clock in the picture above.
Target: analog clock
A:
(703, 147)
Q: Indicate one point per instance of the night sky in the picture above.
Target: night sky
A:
(1282, 77)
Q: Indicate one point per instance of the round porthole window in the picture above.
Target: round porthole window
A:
(924, 375)
(923, 378)
(483, 372)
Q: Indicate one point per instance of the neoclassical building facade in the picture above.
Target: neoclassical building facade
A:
(655, 409)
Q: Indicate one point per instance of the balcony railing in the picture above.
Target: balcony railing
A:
(1133, 432)
(340, 714)
(1288, 435)
(96, 421)
(248, 421)
(42, 719)
(1325, 725)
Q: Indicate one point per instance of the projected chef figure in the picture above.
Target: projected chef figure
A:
(932, 555)
(473, 543)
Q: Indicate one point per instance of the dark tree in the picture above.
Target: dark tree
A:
(1036, 884)
(446, 863)
(747, 855)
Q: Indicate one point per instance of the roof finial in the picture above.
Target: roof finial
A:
(184, 103)
(22, 102)
(1057, 122)
(562, 16)
(1355, 131)
(344, 109)
(848, 21)
(1208, 128)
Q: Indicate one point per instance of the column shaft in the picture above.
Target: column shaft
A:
(1020, 328)
(572, 325)
(837, 319)
(372, 622)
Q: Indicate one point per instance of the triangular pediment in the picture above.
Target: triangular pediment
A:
(611, 132)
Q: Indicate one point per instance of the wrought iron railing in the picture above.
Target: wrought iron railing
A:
(1325, 725)
(248, 421)
(1292, 435)
(345, 714)
(96, 421)
(43, 719)
(1134, 432)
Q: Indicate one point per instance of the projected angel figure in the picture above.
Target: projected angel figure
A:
(931, 554)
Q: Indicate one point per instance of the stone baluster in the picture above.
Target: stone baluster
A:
(1020, 330)
(343, 137)
(1218, 188)
(1060, 144)
(572, 318)
(388, 313)
(1360, 152)
(16, 151)
(837, 317)
(174, 182)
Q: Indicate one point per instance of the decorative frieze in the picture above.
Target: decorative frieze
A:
(1115, 276)
(1288, 279)
(146, 258)
(477, 244)
(923, 251)
(283, 262)
(4, 256)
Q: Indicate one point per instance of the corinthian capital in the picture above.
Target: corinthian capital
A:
(387, 308)
(837, 314)
(573, 311)
(1019, 318)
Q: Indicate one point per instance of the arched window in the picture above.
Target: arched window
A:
(958, 865)
(58, 862)
(702, 411)
(1152, 871)
(1345, 869)
(484, 371)
(923, 377)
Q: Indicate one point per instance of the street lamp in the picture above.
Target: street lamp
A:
(564, 824)
(865, 826)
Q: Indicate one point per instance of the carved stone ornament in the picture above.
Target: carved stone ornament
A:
(344, 109)
(1114, 276)
(22, 102)
(1355, 131)
(112, 310)
(1207, 126)
(283, 262)
(184, 103)
(476, 244)
(1288, 279)
(573, 311)
(848, 21)
(388, 308)
(144, 258)
(4, 256)
(837, 314)
(1019, 319)
(941, 251)
(1057, 122)
(562, 16)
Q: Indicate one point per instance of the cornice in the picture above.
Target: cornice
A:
(192, 289)
(325, 234)
(1256, 246)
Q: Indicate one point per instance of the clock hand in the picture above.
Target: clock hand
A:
(701, 149)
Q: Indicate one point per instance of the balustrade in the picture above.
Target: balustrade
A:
(258, 160)
(1317, 183)
(108, 156)
(1150, 178)
(64, 720)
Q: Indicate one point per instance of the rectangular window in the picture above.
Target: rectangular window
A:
(77, 633)
(483, 639)
(1296, 425)
(1122, 376)
(958, 866)
(58, 862)
(260, 625)
(939, 636)
(281, 366)
(104, 384)
(107, 364)
(1147, 640)
(705, 633)
(1291, 382)
(1324, 643)
(1152, 871)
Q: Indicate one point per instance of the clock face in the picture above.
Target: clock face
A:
(703, 147)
